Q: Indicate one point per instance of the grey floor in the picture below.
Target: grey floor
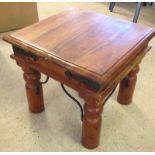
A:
(58, 128)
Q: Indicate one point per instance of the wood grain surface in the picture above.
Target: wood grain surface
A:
(88, 43)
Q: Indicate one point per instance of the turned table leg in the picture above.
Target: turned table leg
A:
(91, 124)
(32, 78)
(33, 89)
(127, 86)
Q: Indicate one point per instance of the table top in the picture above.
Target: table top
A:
(86, 42)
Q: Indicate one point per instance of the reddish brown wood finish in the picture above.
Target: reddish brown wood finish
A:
(127, 87)
(33, 86)
(81, 40)
(93, 46)
(92, 122)
(33, 90)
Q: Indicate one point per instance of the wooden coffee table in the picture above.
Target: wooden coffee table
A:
(86, 51)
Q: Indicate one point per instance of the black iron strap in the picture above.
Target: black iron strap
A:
(76, 101)
(110, 94)
(22, 52)
(89, 82)
(79, 104)
(47, 78)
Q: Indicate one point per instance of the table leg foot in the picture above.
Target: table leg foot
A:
(127, 87)
(91, 124)
(33, 89)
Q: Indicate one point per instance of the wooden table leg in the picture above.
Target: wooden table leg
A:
(127, 86)
(91, 124)
(33, 85)
(33, 89)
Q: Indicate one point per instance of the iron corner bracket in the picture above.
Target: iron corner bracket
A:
(22, 52)
(89, 82)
